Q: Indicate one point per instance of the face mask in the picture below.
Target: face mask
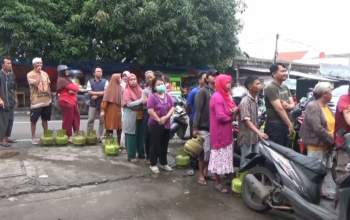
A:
(161, 88)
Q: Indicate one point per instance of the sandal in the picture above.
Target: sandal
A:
(148, 162)
(154, 169)
(10, 141)
(123, 150)
(133, 160)
(202, 182)
(166, 168)
(5, 144)
(221, 189)
(211, 178)
(327, 196)
(34, 142)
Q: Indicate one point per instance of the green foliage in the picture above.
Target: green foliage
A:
(178, 33)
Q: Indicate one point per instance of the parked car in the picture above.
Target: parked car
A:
(337, 92)
(83, 97)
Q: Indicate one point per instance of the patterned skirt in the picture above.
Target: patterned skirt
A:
(221, 160)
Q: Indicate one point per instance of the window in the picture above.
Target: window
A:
(339, 91)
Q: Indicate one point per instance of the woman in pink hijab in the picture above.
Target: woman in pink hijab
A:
(222, 112)
(132, 123)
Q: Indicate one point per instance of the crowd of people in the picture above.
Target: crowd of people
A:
(141, 117)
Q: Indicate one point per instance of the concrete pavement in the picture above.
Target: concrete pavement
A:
(83, 183)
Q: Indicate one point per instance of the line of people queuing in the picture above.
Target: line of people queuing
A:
(143, 116)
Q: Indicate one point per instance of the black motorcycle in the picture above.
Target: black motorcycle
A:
(179, 122)
(282, 179)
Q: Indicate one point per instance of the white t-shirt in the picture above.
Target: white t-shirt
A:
(88, 86)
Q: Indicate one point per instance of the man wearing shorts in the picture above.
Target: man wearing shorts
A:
(40, 97)
(342, 121)
(201, 123)
(190, 109)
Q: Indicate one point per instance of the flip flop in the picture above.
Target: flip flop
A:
(166, 168)
(221, 189)
(202, 182)
(211, 178)
(148, 162)
(34, 142)
(154, 169)
(133, 160)
(327, 196)
(190, 172)
(5, 144)
(11, 141)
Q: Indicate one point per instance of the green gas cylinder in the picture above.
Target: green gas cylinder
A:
(112, 147)
(47, 138)
(79, 139)
(91, 138)
(61, 138)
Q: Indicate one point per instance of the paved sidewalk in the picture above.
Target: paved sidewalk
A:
(26, 169)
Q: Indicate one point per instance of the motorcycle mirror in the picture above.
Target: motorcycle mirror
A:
(340, 133)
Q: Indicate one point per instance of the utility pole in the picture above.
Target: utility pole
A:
(276, 53)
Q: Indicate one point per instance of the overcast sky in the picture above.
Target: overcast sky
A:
(318, 25)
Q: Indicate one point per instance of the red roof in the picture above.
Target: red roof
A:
(290, 56)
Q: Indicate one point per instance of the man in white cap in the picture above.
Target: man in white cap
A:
(40, 97)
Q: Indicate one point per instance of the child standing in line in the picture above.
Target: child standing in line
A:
(248, 120)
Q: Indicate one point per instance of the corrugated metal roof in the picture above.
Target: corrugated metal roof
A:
(334, 70)
(293, 73)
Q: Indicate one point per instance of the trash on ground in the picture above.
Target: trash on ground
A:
(12, 199)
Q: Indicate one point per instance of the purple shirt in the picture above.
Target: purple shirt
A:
(161, 107)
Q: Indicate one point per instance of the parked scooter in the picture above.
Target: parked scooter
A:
(179, 122)
(285, 180)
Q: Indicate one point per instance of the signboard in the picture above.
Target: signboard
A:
(175, 83)
(291, 84)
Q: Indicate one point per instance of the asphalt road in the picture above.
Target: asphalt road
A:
(21, 127)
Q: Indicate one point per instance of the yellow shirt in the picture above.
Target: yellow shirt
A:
(330, 128)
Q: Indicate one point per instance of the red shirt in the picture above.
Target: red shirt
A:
(66, 96)
(169, 87)
(340, 123)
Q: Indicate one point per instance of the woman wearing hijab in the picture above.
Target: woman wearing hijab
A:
(222, 111)
(67, 101)
(111, 107)
(132, 123)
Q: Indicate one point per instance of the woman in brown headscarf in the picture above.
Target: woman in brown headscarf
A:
(111, 106)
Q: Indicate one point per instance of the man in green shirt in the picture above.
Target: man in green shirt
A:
(279, 102)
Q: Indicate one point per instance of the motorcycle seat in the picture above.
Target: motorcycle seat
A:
(312, 164)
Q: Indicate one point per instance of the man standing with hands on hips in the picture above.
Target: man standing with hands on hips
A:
(96, 88)
(279, 102)
(40, 97)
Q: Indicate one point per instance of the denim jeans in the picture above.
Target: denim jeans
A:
(246, 150)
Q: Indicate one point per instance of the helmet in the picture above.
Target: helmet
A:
(238, 92)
